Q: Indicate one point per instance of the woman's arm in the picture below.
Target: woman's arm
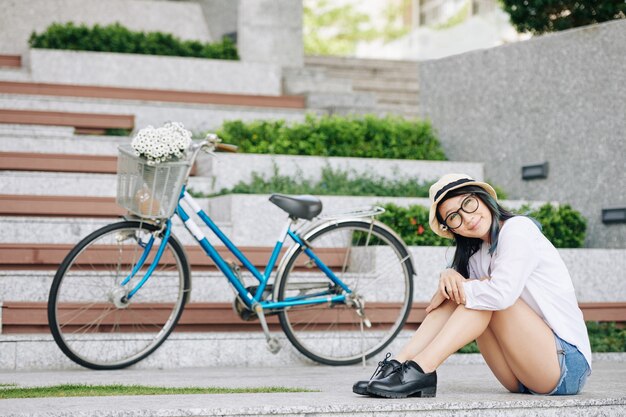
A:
(514, 262)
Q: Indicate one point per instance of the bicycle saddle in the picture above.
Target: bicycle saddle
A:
(301, 206)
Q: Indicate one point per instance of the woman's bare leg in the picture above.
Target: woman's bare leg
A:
(525, 345)
(463, 326)
(492, 352)
(428, 329)
(528, 346)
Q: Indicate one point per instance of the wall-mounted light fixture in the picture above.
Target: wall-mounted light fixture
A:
(535, 172)
(614, 215)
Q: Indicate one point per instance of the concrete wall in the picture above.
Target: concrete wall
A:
(557, 98)
(20, 17)
(229, 169)
(220, 15)
(271, 31)
(150, 71)
(195, 117)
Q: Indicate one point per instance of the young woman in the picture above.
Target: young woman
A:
(507, 288)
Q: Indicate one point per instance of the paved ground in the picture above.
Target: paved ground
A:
(467, 390)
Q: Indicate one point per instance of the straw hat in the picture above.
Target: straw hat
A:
(438, 192)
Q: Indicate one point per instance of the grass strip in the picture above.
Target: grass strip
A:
(80, 390)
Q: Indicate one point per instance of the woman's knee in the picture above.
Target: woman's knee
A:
(518, 308)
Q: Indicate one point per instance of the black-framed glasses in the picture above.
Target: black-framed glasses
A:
(469, 205)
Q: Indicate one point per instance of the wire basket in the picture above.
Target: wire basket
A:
(150, 191)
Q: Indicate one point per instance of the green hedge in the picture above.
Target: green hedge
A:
(356, 136)
(333, 182)
(562, 225)
(606, 337)
(411, 223)
(117, 38)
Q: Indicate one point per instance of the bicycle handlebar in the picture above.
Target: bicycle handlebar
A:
(226, 147)
(211, 143)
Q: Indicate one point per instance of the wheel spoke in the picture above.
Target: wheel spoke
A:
(90, 320)
(372, 263)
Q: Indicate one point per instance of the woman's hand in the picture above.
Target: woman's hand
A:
(451, 286)
(435, 302)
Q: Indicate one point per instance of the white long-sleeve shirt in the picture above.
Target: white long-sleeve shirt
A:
(526, 265)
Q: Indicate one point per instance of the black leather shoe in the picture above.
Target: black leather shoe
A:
(408, 381)
(385, 367)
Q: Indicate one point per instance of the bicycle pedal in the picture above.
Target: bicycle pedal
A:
(273, 345)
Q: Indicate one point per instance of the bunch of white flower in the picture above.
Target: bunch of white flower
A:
(162, 144)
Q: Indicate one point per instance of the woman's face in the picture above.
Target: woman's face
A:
(475, 224)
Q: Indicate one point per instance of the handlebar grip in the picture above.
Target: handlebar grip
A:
(225, 147)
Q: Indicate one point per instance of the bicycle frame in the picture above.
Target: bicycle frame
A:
(187, 204)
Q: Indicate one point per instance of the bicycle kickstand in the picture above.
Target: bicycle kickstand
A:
(273, 345)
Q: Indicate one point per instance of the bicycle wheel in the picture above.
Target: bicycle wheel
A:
(87, 314)
(377, 268)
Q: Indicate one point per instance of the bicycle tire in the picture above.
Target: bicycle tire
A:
(375, 263)
(85, 321)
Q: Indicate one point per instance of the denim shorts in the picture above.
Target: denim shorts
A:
(574, 370)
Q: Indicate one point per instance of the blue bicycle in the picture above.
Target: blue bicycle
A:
(341, 286)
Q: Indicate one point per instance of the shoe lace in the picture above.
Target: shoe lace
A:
(381, 364)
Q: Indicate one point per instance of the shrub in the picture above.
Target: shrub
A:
(411, 223)
(333, 182)
(540, 16)
(117, 38)
(117, 132)
(562, 225)
(606, 337)
(356, 136)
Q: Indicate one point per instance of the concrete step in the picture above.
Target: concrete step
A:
(373, 74)
(217, 173)
(195, 117)
(306, 80)
(54, 230)
(33, 285)
(35, 131)
(226, 170)
(395, 97)
(135, 71)
(403, 110)
(38, 351)
(252, 219)
(20, 74)
(27, 284)
(476, 394)
(20, 286)
(31, 352)
(395, 84)
(73, 184)
(358, 101)
(91, 123)
(377, 85)
(83, 144)
(346, 62)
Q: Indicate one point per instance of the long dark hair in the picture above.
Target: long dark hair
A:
(465, 246)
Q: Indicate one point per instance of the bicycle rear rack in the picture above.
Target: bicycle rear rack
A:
(368, 211)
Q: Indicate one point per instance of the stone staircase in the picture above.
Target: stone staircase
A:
(57, 186)
(201, 94)
(394, 84)
(47, 208)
